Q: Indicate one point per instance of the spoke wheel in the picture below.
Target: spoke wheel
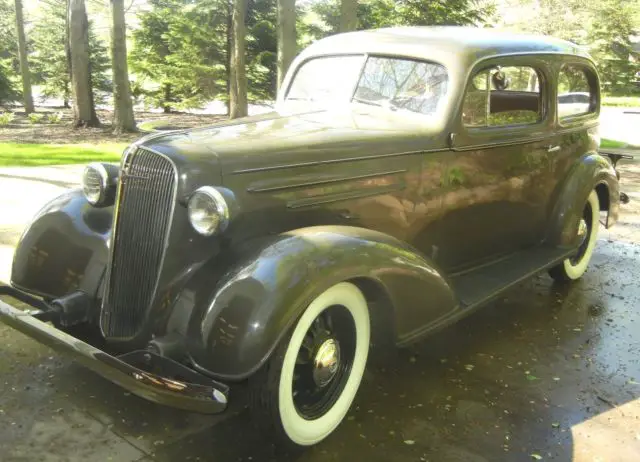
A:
(307, 387)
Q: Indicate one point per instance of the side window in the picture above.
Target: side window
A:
(501, 96)
(575, 93)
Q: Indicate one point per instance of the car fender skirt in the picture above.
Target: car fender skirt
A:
(64, 248)
(233, 332)
(591, 171)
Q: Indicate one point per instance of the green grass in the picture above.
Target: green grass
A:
(621, 101)
(614, 144)
(26, 154)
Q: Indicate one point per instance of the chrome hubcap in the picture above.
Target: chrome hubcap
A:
(326, 362)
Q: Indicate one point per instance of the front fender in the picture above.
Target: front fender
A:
(64, 248)
(232, 332)
(589, 172)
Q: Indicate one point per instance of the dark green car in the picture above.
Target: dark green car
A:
(407, 177)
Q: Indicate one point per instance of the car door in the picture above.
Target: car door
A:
(496, 180)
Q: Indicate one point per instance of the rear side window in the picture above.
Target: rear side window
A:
(576, 95)
(501, 96)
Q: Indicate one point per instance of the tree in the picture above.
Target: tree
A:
(49, 61)
(84, 112)
(348, 15)
(8, 93)
(123, 120)
(286, 36)
(387, 13)
(24, 64)
(238, 76)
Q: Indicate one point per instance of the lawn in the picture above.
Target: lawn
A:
(621, 101)
(26, 154)
(607, 144)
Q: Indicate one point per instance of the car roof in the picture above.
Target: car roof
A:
(449, 45)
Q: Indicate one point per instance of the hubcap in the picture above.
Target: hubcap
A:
(326, 362)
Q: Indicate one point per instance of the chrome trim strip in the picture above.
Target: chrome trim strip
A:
(311, 201)
(324, 182)
(335, 161)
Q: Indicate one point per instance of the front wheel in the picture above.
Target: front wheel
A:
(574, 267)
(305, 390)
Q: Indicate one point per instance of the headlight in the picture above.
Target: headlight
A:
(208, 211)
(98, 183)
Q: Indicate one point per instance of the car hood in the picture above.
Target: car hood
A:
(252, 142)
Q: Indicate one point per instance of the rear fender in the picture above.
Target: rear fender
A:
(232, 328)
(64, 248)
(589, 172)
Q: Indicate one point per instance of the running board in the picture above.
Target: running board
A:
(479, 286)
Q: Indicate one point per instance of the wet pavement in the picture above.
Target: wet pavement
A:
(547, 371)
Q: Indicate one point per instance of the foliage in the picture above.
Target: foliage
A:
(388, 13)
(603, 27)
(6, 118)
(8, 38)
(8, 92)
(54, 117)
(32, 154)
(49, 59)
(35, 118)
(611, 45)
(180, 52)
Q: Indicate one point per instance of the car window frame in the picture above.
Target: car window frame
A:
(500, 61)
(579, 119)
(462, 137)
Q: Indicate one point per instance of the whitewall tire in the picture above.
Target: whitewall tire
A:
(307, 387)
(574, 267)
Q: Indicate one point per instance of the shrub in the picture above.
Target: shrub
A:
(6, 118)
(54, 117)
(35, 118)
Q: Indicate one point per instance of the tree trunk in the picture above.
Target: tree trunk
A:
(348, 15)
(84, 112)
(166, 97)
(24, 64)
(238, 94)
(286, 37)
(123, 120)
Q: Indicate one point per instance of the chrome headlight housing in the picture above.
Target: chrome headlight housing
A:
(98, 183)
(208, 211)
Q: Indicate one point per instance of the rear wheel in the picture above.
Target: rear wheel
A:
(305, 390)
(575, 266)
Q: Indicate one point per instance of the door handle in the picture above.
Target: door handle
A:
(552, 148)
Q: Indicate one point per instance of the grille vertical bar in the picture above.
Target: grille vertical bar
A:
(146, 198)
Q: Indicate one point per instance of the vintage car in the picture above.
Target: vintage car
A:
(406, 177)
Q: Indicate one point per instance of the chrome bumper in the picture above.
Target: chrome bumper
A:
(132, 371)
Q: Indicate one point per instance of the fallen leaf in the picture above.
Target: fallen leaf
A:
(536, 456)
(531, 377)
(409, 442)
(555, 425)
(469, 367)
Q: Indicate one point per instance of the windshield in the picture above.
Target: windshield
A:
(396, 84)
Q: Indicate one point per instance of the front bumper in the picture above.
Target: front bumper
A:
(143, 373)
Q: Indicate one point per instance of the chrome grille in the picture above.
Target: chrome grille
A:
(144, 208)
